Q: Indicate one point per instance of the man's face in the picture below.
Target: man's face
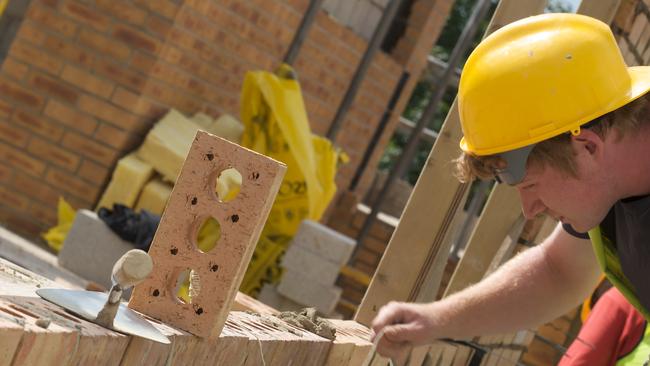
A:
(578, 201)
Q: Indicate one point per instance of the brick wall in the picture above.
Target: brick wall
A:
(84, 80)
(632, 29)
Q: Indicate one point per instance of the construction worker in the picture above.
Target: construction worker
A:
(548, 106)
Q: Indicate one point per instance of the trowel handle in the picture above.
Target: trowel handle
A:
(132, 268)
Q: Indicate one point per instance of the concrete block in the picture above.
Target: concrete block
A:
(303, 290)
(271, 297)
(309, 263)
(324, 242)
(91, 248)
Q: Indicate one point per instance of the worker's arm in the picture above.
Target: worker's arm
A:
(536, 286)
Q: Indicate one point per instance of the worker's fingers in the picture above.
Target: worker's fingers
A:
(391, 313)
(392, 350)
(403, 333)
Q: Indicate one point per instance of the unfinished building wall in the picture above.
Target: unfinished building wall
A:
(84, 80)
(632, 29)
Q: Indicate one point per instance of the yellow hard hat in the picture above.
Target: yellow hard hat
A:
(540, 77)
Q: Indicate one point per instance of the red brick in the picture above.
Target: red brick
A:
(136, 103)
(14, 69)
(108, 112)
(49, 3)
(72, 185)
(54, 87)
(122, 10)
(144, 62)
(92, 172)
(13, 134)
(89, 148)
(35, 188)
(38, 124)
(20, 160)
(6, 173)
(120, 74)
(87, 81)
(105, 45)
(158, 26)
(70, 117)
(30, 32)
(115, 137)
(169, 74)
(13, 199)
(69, 51)
(136, 39)
(53, 153)
(19, 94)
(5, 109)
(36, 57)
(167, 95)
(87, 15)
(166, 8)
(44, 214)
(50, 19)
(22, 224)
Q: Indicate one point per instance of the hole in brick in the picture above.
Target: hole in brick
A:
(214, 267)
(198, 311)
(23, 311)
(188, 286)
(156, 293)
(194, 201)
(228, 185)
(66, 316)
(207, 235)
(173, 250)
(210, 156)
(10, 312)
(254, 176)
(234, 218)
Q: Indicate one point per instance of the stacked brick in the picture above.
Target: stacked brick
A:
(311, 266)
(84, 80)
(632, 29)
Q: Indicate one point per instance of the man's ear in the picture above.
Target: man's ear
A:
(588, 141)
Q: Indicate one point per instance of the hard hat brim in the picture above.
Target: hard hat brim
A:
(639, 86)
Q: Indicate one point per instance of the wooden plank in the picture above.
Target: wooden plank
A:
(604, 10)
(175, 249)
(418, 239)
(503, 207)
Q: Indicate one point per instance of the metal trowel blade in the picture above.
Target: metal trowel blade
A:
(87, 304)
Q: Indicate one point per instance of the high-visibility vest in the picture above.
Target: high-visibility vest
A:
(611, 267)
(640, 355)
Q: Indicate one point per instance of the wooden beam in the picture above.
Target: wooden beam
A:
(418, 239)
(501, 211)
(175, 249)
(604, 10)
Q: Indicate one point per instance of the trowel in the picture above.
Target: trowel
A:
(106, 309)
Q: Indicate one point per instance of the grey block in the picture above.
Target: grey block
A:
(303, 290)
(90, 249)
(324, 242)
(271, 297)
(311, 264)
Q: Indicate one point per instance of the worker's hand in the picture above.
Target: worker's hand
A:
(404, 325)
